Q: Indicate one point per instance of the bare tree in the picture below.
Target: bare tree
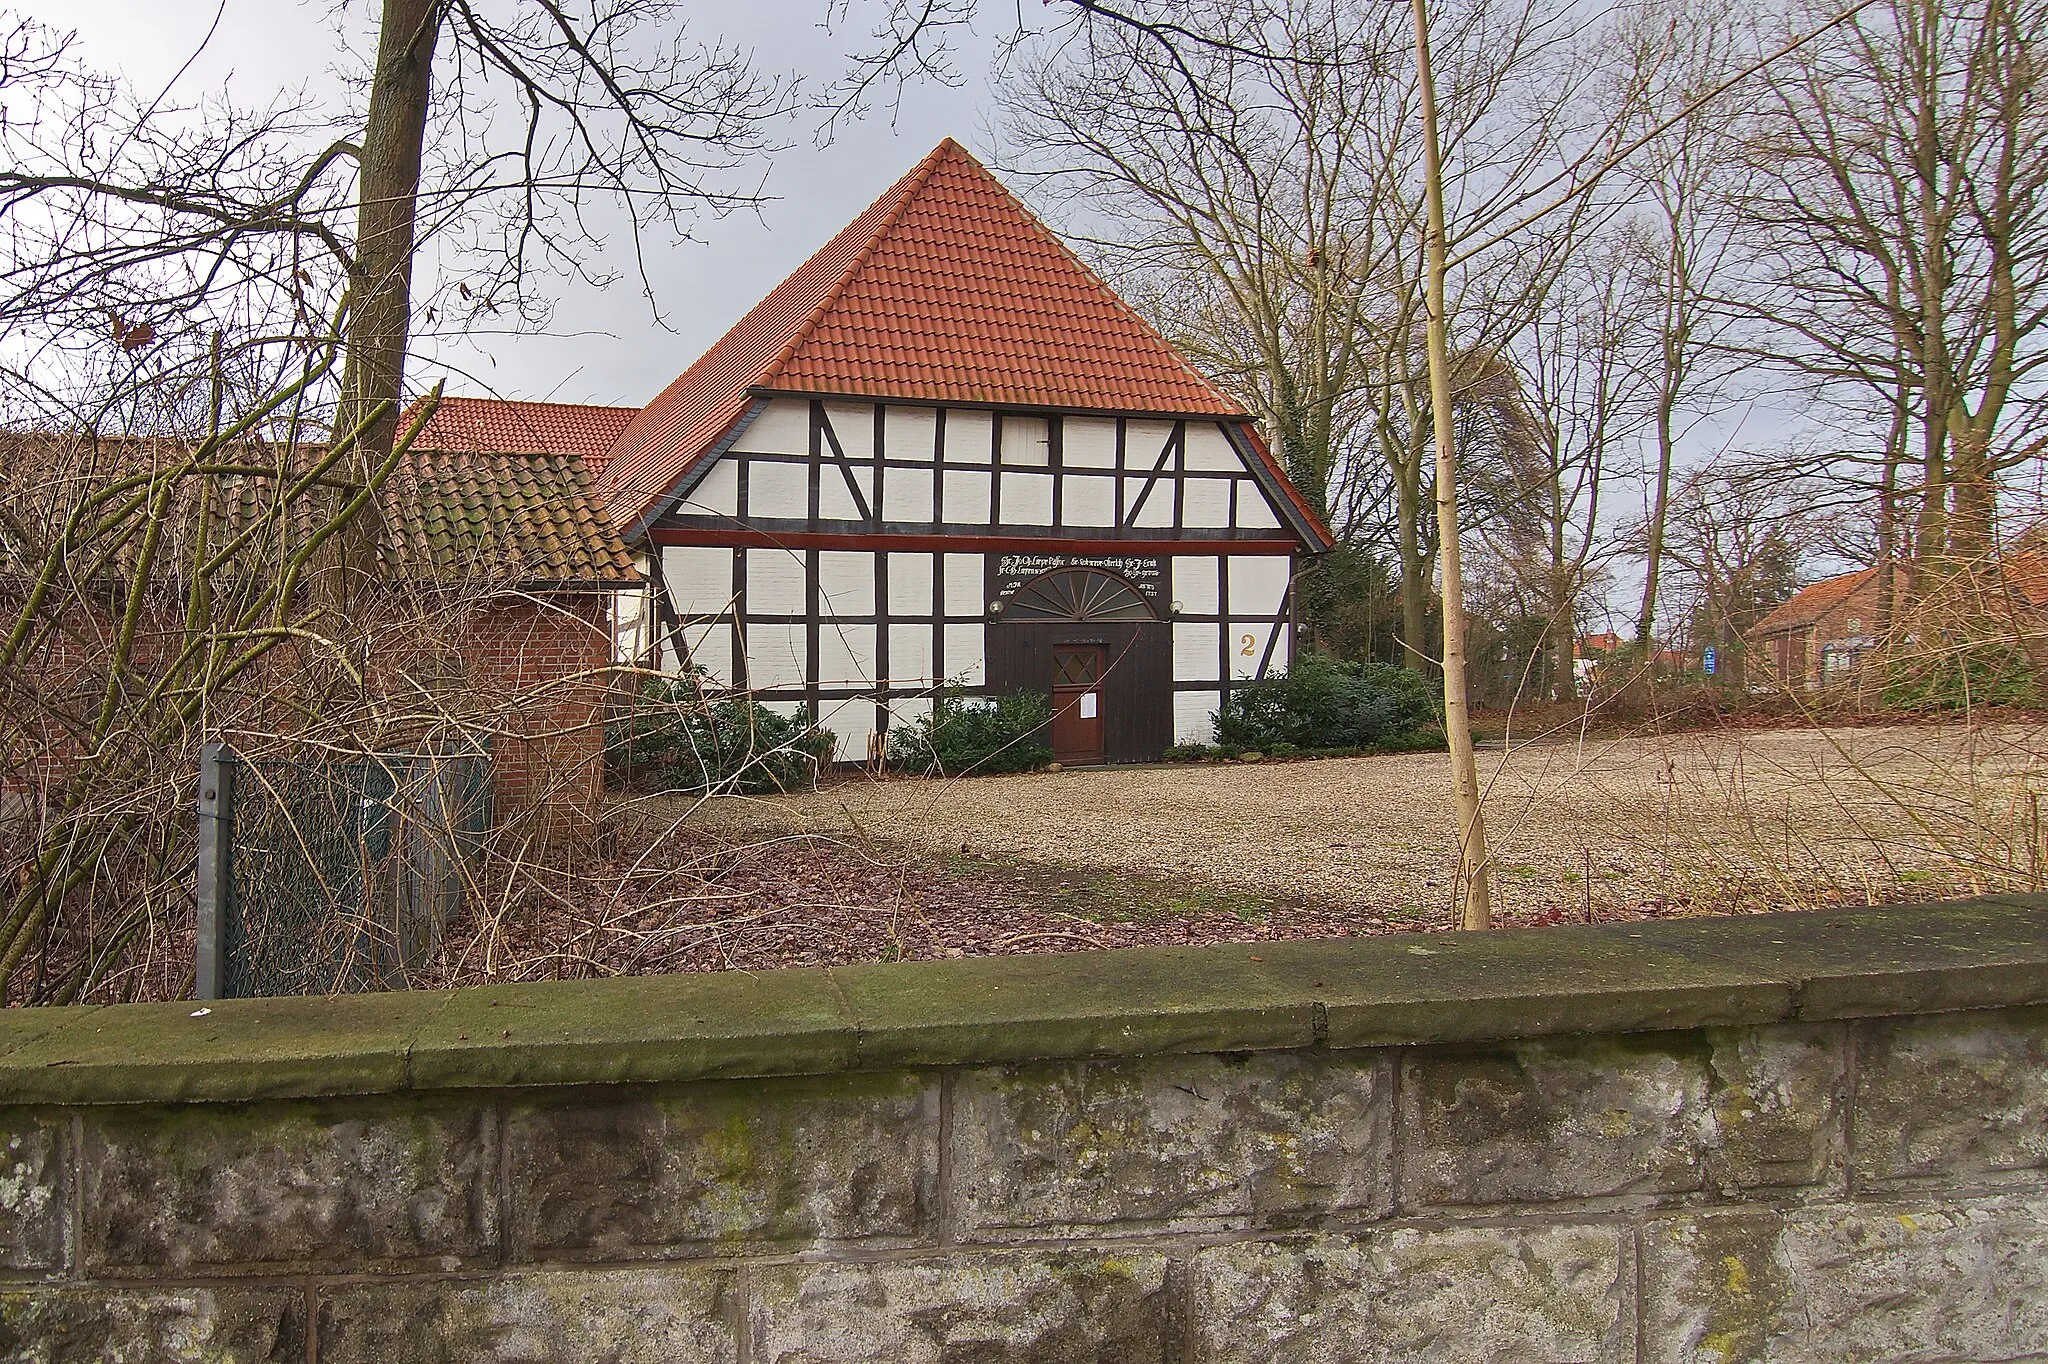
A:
(1894, 199)
(1674, 59)
(1267, 213)
(1592, 372)
(1738, 538)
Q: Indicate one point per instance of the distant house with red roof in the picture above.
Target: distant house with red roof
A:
(1820, 633)
(944, 450)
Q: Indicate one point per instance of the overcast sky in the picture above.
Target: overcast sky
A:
(603, 346)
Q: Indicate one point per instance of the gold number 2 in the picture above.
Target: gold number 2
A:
(1249, 640)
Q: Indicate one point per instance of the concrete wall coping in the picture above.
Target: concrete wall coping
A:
(1404, 989)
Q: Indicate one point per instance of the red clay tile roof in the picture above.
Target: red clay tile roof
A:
(945, 290)
(1809, 604)
(500, 426)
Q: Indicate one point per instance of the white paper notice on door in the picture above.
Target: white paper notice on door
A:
(1088, 705)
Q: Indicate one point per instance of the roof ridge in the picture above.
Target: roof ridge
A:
(1059, 243)
(909, 186)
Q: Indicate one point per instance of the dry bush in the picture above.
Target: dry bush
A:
(156, 594)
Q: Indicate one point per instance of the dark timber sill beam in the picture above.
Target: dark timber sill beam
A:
(1405, 989)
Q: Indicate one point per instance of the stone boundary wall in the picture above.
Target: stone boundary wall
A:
(1784, 1138)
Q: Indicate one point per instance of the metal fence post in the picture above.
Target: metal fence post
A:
(216, 807)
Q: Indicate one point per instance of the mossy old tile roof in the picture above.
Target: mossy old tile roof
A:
(506, 487)
(946, 289)
(502, 519)
(527, 518)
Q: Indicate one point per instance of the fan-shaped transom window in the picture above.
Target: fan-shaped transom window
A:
(1078, 594)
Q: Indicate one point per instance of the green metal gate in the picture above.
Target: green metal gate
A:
(318, 876)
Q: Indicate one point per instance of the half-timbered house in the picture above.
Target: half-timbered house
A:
(943, 450)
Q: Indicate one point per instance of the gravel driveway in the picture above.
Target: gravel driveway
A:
(1717, 820)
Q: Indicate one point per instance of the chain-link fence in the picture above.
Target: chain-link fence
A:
(326, 875)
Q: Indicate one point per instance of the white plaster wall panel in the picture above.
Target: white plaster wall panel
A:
(1142, 443)
(965, 662)
(666, 657)
(778, 491)
(1254, 512)
(789, 710)
(910, 656)
(1025, 441)
(910, 584)
(907, 496)
(783, 428)
(1194, 651)
(851, 722)
(775, 582)
(846, 655)
(1248, 645)
(905, 711)
(846, 583)
(965, 582)
(967, 500)
(775, 656)
(1258, 582)
(968, 436)
(1027, 499)
(717, 493)
(835, 496)
(1157, 509)
(633, 620)
(709, 643)
(1088, 500)
(1088, 443)
(1196, 584)
(1205, 502)
(854, 424)
(1192, 716)
(1209, 449)
(698, 580)
(910, 433)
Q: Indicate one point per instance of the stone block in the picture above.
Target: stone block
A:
(1274, 1139)
(724, 1165)
(1537, 1121)
(1776, 1106)
(1411, 1296)
(665, 1315)
(356, 1184)
(991, 1308)
(183, 1326)
(1966, 1280)
(1960, 1097)
(34, 1185)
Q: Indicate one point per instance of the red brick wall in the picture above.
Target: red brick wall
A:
(533, 664)
(538, 664)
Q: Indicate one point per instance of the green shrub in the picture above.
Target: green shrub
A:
(974, 734)
(1325, 703)
(1993, 672)
(676, 740)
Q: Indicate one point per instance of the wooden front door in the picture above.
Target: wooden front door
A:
(1077, 704)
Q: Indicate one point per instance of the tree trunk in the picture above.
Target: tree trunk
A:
(1473, 864)
(1414, 565)
(1668, 382)
(1888, 512)
(380, 284)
